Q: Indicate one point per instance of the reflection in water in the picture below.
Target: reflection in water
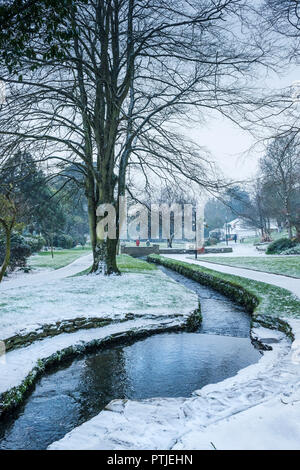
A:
(167, 365)
(221, 316)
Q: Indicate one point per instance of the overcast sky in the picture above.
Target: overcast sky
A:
(229, 144)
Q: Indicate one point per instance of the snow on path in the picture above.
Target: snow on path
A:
(43, 277)
(289, 283)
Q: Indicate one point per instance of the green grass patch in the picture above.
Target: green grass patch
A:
(60, 258)
(128, 264)
(264, 300)
(285, 265)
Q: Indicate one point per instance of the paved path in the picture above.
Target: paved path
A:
(289, 283)
(41, 277)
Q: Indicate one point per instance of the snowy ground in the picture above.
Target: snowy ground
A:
(28, 307)
(239, 249)
(43, 276)
(259, 408)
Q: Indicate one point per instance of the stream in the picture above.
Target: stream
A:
(166, 365)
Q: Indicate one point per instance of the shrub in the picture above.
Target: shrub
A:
(36, 243)
(295, 250)
(20, 251)
(278, 246)
(63, 240)
(211, 242)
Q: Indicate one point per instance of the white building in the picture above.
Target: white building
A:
(241, 228)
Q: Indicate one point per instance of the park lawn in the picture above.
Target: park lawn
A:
(60, 259)
(285, 265)
(128, 264)
(273, 301)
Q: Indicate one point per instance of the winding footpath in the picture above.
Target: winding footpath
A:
(42, 277)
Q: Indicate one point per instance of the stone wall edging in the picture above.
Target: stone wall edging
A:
(13, 398)
(232, 290)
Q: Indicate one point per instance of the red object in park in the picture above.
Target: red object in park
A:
(201, 250)
(137, 242)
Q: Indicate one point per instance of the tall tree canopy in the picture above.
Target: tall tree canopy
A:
(131, 71)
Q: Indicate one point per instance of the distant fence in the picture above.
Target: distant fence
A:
(140, 251)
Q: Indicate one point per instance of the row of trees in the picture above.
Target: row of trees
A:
(34, 205)
(273, 196)
(277, 190)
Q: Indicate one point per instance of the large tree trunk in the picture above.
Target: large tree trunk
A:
(105, 259)
(104, 249)
(6, 260)
(92, 225)
(290, 231)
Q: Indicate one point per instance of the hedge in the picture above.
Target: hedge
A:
(269, 305)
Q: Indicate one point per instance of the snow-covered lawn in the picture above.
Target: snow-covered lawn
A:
(28, 307)
(60, 258)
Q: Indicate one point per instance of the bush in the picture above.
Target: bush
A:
(63, 240)
(295, 250)
(36, 243)
(277, 247)
(20, 251)
(211, 242)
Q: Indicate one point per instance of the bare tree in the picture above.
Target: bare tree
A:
(280, 172)
(7, 221)
(133, 70)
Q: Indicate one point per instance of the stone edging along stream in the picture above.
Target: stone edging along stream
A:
(13, 398)
(231, 289)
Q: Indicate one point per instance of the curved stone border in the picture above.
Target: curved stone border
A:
(53, 329)
(11, 399)
(48, 330)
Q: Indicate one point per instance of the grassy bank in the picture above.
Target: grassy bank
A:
(285, 265)
(128, 264)
(60, 258)
(268, 304)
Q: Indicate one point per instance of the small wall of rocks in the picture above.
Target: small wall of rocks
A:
(54, 329)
